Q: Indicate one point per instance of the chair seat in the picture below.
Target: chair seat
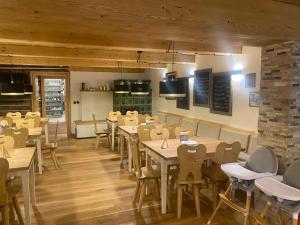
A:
(50, 145)
(99, 132)
(148, 173)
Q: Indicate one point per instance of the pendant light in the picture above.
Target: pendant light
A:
(12, 88)
(140, 87)
(122, 86)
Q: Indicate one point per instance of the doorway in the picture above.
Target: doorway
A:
(51, 98)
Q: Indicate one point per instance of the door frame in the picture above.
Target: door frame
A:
(55, 75)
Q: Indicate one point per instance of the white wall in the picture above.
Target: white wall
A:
(92, 79)
(243, 116)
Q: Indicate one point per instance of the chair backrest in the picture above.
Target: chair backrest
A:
(114, 114)
(7, 141)
(144, 132)
(20, 136)
(14, 115)
(56, 131)
(263, 161)
(95, 123)
(152, 119)
(36, 119)
(142, 118)
(230, 135)
(178, 130)
(190, 163)
(4, 166)
(132, 113)
(291, 176)
(159, 134)
(171, 129)
(32, 114)
(25, 123)
(131, 121)
(121, 121)
(8, 121)
(135, 157)
(227, 153)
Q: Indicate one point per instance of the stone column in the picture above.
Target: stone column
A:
(279, 112)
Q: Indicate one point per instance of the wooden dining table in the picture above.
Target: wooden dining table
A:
(36, 135)
(21, 164)
(168, 156)
(113, 121)
(127, 132)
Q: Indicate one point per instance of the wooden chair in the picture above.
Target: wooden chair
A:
(25, 123)
(132, 113)
(142, 118)
(177, 131)
(159, 134)
(152, 119)
(8, 192)
(171, 129)
(143, 174)
(14, 115)
(100, 133)
(32, 114)
(143, 132)
(114, 114)
(190, 162)
(7, 141)
(20, 136)
(131, 121)
(120, 120)
(52, 147)
(225, 153)
(9, 121)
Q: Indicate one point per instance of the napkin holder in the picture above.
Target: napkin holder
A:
(164, 145)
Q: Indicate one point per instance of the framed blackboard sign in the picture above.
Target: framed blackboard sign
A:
(184, 102)
(221, 94)
(201, 87)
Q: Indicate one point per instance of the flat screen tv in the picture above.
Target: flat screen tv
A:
(172, 89)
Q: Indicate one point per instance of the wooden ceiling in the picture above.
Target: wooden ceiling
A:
(101, 33)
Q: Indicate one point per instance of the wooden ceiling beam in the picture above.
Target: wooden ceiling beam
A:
(91, 63)
(84, 53)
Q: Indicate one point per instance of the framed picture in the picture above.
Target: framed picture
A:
(250, 80)
(254, 99)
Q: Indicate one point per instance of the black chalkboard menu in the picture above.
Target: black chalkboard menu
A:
(221, 97)
(201, 87)
(184, 102)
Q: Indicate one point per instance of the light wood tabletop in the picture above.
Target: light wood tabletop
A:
(170, 152)
(20, 158)
(131, 130)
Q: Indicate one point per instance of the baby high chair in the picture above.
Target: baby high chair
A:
(283, 192)
(262, 163)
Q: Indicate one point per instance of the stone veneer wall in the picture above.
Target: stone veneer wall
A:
(279, 113)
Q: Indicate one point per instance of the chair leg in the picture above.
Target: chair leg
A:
(11, 212)
(215, 195)
(18, 210)
(218, 206)
(197, 200)
(97, 141)
(56, 160)
(5, 215)
(295, 219)
(136, 192)
(263, 213)
(142, 195)
(179, 201)
(157, 186)
(53, 158)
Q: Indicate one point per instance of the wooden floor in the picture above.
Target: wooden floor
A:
(91, 189)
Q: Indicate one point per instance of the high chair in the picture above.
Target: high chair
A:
(262, 163)
(283, 193)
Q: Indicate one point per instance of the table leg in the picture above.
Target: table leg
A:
(164, 185)
(46, 133)
(122, 151)
(113, 135)
(26, 194)
(39, 155)
(32, 184)
(129, 156)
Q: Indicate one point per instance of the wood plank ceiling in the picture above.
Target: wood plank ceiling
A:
(103, 33)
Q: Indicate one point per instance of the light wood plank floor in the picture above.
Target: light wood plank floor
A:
(90, 189)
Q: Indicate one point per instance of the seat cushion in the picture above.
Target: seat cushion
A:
(230, 135)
